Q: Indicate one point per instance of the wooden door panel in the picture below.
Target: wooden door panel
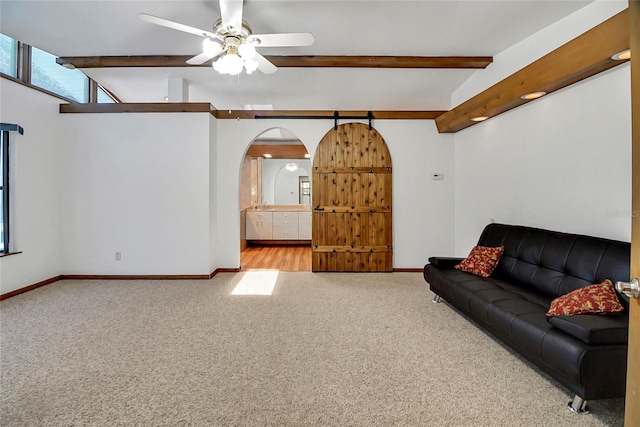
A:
(352, 199)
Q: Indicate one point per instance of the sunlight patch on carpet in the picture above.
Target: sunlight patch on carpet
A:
(256, 283)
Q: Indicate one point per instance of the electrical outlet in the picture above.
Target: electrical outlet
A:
(118, 256)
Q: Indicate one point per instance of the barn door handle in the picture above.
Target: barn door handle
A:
(318, 208)
(630, 289)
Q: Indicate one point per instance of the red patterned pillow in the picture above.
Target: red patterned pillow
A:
(481, 261)
(598, 299)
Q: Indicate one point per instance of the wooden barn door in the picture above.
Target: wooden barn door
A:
(351, 199)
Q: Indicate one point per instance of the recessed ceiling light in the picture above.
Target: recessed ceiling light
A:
(307, 156)
(479, 118)
(267, 155)
(620, 56)
(533, 95)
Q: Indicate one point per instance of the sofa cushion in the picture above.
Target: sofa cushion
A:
(599, 298)
(482, 260)
(444, 262)
(554, 263)
(593, 329)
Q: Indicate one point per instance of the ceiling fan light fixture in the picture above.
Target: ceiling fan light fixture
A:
(247, 51)
(230, 63)
(251, 66)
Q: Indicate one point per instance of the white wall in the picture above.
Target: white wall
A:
(137, 184)
(423, 215)
(38, 187)
(422, 208)
(562, 162)
(213, 194)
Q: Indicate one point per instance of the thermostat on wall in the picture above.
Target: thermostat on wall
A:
(437, 176)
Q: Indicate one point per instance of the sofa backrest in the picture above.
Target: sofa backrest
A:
(555, 263)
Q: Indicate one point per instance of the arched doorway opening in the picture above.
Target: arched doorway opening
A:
(275, 203)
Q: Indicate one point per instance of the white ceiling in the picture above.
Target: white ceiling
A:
(420, 28)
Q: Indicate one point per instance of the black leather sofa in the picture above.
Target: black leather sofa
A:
(587, 353)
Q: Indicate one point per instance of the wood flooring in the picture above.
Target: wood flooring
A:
(281, 257)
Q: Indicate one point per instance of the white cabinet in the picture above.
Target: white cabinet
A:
(304, 225)
(259, 226)
(285, 225)
(278, 225)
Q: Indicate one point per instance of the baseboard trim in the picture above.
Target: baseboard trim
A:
(408, 270)
(30, 287)
(223, 270)
(136, 276)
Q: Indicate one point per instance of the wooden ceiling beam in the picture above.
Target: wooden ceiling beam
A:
(285, 151)
(301, 61)
(204, 107)
(582, 57)
(147, 107)
(320, 114)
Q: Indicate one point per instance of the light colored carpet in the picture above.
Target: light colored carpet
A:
(322, 350)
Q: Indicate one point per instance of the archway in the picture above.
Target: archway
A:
(275, 226)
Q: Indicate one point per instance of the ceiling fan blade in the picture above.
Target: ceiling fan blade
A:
(201, 59)
(284, 39)
(231, 12)
(264, 64)
(176, 26)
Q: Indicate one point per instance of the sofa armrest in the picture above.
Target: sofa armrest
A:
(594, 328)
(444, 263)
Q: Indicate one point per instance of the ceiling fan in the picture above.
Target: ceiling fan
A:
(231, 43)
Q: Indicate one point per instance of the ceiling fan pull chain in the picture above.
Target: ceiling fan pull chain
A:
(238, 96)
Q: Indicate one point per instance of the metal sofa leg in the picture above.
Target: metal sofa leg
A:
(436, 299)
(579, 405)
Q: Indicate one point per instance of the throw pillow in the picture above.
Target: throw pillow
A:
(481, 260)
(600, 298)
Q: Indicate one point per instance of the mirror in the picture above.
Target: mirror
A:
(265, 180)
(286, 181)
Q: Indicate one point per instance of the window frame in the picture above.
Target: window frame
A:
(5, 144)
(23, 76)
(4, 186)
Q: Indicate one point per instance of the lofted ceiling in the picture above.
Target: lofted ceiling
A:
(363, 28)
